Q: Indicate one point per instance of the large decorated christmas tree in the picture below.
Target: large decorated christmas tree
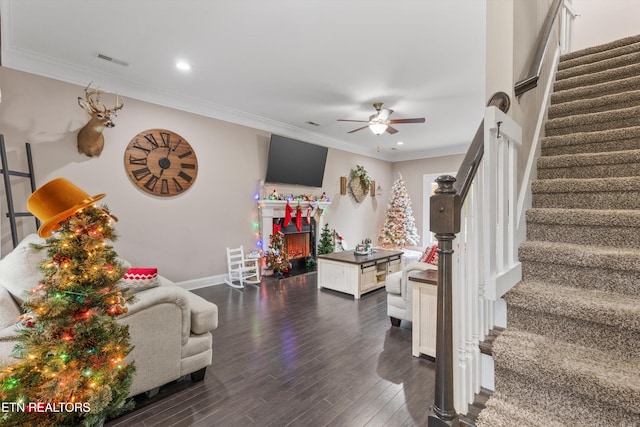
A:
(400, 226)
(70, 368)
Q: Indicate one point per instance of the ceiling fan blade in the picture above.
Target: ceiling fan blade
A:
(356, 130)
(420, 120)
(391, 130)
(347, 120)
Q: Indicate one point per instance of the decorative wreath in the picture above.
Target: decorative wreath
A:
(361, 173)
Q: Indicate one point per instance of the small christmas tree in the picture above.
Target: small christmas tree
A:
(277, 256)
(326, 241)
(400, 226)
(71, 351)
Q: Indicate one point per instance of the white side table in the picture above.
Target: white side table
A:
(425, 309)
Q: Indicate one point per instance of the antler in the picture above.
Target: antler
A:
(119, 105)
(95, 105)
(88, 94)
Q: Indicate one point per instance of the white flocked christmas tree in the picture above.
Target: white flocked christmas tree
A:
(400, 226)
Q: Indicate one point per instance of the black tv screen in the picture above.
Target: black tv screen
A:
(295, 162)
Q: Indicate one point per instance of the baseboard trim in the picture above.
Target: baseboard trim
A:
(202, 282)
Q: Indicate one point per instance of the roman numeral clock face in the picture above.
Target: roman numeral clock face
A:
(161, 162)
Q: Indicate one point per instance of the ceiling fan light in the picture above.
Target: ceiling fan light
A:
(378, 128)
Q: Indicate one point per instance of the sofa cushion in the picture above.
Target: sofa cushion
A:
(19, 271)
(7, 344)
(9, 310)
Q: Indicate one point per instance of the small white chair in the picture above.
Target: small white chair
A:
(241, 269)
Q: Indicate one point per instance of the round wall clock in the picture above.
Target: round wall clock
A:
(161, 162)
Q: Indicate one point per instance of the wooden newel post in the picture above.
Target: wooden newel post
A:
(445, 223)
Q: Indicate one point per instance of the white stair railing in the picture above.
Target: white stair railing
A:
(485, 251)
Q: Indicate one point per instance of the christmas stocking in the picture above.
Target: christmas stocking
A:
(287, 214)
(309, 210)
(318, 214)
(299, 218)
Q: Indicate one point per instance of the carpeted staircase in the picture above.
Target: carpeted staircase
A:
(570, 355)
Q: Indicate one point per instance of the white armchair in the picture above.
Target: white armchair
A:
(399, 292)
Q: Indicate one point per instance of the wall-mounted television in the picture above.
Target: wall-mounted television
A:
(295, 162)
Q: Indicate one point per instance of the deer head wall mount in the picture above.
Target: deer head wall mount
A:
(90, 138)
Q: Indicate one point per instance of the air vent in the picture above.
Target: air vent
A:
(312, 123)
(114, 60)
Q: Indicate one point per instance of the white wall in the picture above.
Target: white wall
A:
(602, 21)
(184, 236)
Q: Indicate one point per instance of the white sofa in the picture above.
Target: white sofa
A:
(170, 327)
(400, 291)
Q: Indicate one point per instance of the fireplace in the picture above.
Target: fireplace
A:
(299, 242)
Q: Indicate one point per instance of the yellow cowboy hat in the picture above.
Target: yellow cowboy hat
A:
(56, 201)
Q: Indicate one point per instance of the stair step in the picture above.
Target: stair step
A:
(607, 76)
(590, 318)
(602, 376)
(486, 346)
(558, 264)
(592, 142)
(590, 165)
(543, 405)
(590, 122)
(593, 193)
(594, 105)
(568, 254)
(596, 90)
(600, 52)
(479, 403)
(613, 228)
(628, 55)
(501, 412)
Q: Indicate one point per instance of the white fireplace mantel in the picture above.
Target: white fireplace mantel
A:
(270, 209)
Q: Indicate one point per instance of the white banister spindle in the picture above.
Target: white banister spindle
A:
(474, 299)
(499, 201)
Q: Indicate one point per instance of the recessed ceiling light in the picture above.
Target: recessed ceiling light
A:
(182, 65)
(400, 143)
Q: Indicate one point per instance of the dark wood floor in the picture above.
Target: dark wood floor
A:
(288, 354)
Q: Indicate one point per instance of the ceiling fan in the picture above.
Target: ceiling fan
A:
(380, 122)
